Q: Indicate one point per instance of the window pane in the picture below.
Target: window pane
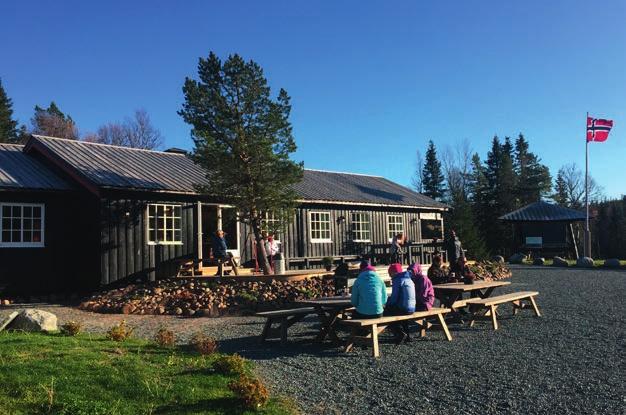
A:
(6, 211)
(16, 224)
(15, 236)
(28, 223)
(27, 236)
(160, 223)
(6, 224)
(169, 235)
(37, 212)
(37, 224)
(36, 236)
(17, 211)
(6, 236)
(152, 236)
(28, 211)
(178, 211)
(177, 236)
(177, 224)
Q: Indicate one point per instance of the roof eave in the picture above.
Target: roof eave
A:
(369, 204)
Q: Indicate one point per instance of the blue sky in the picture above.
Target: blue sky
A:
(370, 82)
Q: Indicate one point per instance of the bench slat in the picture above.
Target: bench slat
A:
(290, 312)
(391, 319)
(500, 299)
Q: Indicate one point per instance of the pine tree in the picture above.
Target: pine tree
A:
(533, 178)
(432, 176)
(8, 126)
(243, 139)
(53, 122)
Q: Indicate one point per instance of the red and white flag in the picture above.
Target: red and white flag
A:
(598, 129)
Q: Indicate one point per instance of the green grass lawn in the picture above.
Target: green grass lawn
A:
(86, 374)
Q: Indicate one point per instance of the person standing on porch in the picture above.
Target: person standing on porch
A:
(272, 248)
(454, 249)
(396, 249)
(221, 254)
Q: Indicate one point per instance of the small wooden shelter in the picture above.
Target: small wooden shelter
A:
(544, 229)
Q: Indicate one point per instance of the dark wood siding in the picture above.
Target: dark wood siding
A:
(69, 259)
(124, 248)
(296, 241)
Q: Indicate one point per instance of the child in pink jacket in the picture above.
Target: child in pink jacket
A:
(424, 291)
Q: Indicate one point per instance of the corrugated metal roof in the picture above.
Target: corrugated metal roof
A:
(20, 171)
(126, 168)
(135, 169)
(543, 212)
(327, 186)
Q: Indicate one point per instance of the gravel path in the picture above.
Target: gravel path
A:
(569, 361)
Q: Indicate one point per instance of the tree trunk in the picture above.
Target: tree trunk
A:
(260, 249)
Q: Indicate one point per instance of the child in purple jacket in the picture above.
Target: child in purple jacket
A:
(424, 291)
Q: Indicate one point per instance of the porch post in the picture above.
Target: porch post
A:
(219, 217)
(199, 233)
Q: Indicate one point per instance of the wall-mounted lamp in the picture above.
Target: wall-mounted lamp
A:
(413, 221)
(341, 219)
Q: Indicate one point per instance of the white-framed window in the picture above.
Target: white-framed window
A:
(319, 223)
(271, 224)
(395, 225)
(361, 226)
(22, 225)
(164, 224)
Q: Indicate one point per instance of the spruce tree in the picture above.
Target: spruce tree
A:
(8, 126)
(533, 178)
(478, 185)
(432, 176)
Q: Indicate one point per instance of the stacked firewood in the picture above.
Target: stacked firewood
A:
(489, 271)
(206, 298)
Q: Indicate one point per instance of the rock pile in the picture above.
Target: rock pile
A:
(206, 298)
(557, 261)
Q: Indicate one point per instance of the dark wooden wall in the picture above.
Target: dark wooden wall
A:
(295, 241)
(124, 249)
(69, 260)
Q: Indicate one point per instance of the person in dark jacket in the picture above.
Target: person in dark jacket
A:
(435, 273)
(454, 250)
(221, 254)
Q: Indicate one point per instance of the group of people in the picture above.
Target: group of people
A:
(411, 291)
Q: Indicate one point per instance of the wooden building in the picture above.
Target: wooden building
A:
(77, 215)
(544, 229)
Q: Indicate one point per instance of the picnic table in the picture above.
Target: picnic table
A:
(451, 294)
(328, 310)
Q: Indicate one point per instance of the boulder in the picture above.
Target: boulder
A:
(517, 258)
(498, 259)
(612, 263)
(32, 319)
(7, 320)
(559, 262)
(584, 262)
(539, 261)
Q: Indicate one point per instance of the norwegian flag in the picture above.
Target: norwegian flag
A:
(598, 129)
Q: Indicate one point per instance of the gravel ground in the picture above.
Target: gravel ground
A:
(569, 361)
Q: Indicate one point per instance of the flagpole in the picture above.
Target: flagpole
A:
(587, 234)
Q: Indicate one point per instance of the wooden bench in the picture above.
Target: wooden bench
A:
(487, 307)
(285, 319)
(378, 325)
